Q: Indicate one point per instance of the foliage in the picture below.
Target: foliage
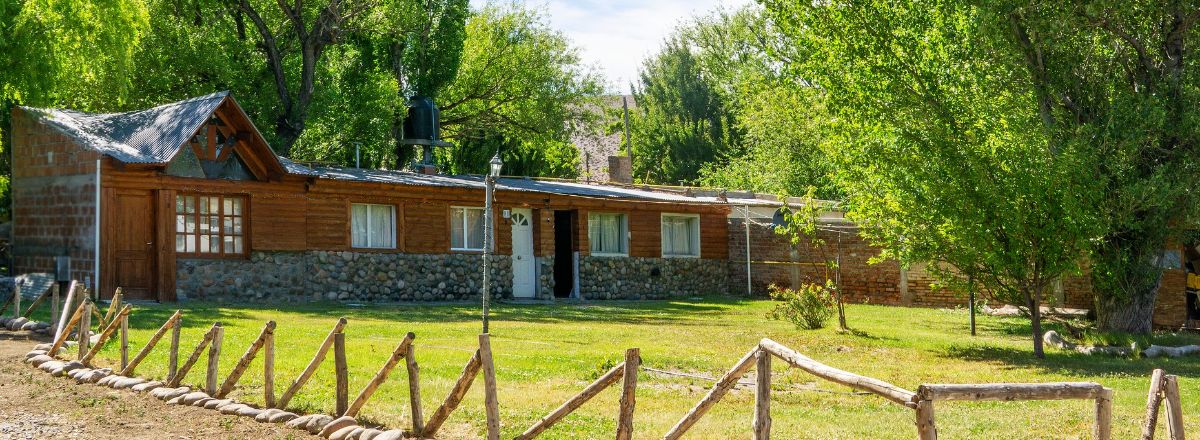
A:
(808, 308)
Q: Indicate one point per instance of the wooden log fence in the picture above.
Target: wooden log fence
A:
(491, 403)
(928, 394)
(341, 374)
(187, 365)
(172, 322)
(63, 333)
(104, 336)
(455, 397)
(312, 365)
(1164, 388)
(37, 301)
(245, 360)
(68, 307)
(397, 355)
(85, 327)
(214, 358)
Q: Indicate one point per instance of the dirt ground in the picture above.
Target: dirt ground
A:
(36, 405)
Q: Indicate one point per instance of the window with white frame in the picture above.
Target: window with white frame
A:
(372, 226)
(466, 229)
(607, 234)
(680, 235)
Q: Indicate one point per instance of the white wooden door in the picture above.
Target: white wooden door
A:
(524, 271)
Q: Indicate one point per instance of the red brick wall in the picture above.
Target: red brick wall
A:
(1170, 307)
(54, 193)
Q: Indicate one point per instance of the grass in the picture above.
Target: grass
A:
(546, 353)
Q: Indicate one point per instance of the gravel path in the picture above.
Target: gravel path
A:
(38, 406)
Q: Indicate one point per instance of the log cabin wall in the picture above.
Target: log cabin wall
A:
(54, 194)
(299, 243)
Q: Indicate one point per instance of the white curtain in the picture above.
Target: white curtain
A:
(382, 226)
(678, 237)
(474, 227)
(358, 225)
(606, 233)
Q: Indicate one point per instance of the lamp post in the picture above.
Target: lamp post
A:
(489, 183)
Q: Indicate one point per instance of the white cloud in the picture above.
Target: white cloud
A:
(617, 35)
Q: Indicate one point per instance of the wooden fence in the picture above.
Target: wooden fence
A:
(1163, 388)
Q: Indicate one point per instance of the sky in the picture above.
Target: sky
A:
(616, 35)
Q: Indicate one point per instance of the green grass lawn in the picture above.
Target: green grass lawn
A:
(546, 353)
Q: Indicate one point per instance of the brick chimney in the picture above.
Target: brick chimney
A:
(620, 169)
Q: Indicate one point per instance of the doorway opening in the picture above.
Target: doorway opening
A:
(564, 253)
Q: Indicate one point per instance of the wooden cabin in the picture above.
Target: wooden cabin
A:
(187, 200)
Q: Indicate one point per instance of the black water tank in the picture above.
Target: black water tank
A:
(421, 125)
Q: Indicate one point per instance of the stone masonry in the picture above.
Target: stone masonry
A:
(650, 278)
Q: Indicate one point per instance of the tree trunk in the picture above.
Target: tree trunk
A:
(1034, 303)
(1130, 312)
(1125, 278)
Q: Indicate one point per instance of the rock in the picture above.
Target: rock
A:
(96, 375)
(216, 403)
(76, 373)
(177, 400)
(143, 387)
(317, 423)
(93, 339)
(282, 417)
(229, 403)
(39, 360)
(169, 393)
(369, 434)
(29, 326)
(107, 380)
(336, 424)
(232, 408)
(43, 347)
(247, 411)
(298, 422)
(17, 323)
(193, 397)
(127, 382)
(264, 416)
(34, 353)
(395, 434)
(66, 368)
(51, 365)
(344, 433)
(200, 403)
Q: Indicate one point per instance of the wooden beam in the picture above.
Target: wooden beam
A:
(245, 360)
(1174, 407)
(414, 390)
(858, 382)
(633, 360)
(575, 402)
(1153, 402)
(173, 321)
(312, 365)
(491, 403)
(1102, 429)
(1011, 391)
(397, 354)
(926, 425)
(269, 372)
(341, 393)
(104, 335)
(214, 360)
(191, 360)
(455, 397)
(64, 332)
(762, 397)
(723, 385)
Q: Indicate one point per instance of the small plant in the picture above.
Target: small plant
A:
(602, 368)
(809, 308)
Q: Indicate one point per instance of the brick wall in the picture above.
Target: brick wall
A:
(53, 190)
(1170, 307)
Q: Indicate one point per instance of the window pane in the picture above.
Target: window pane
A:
(237, 226)
(382, 228)
(203, 243)
(237, 245)
(237, 206)
(358, 225)
(189, 224)
(456, 228)
(181, 243)
(228, 207)
(474, 228)
(191, 244)
(179, 204)
(204, 205)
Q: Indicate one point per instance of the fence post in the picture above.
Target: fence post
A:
(137, 359)
(726, 383)
(628, 394)
(269, 371)
(491, 403)
(926, 426)
(214, 356)
(454, 398)
(1174, 407)
(762, 397)
(369, 390)
(85, 326)
(54, 306)
(339, 361)
(244, 362)
(124, 341)
(1103, 428)
(16, 299)
(414, 391)
(191, 360)
(173, 361)
(1153, 401)
(312, 365)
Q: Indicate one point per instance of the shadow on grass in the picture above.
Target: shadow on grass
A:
(674, 312)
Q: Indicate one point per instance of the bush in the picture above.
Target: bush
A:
(808, 308)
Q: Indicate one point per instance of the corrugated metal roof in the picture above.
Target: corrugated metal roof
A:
(143, 136)
(503, 184)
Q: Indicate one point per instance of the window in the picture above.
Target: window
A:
(680, 235)
(606, 233)
(372, 226)
(466, 229)
(210, 225)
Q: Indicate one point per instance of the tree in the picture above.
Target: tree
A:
(932, 145)
(520, 89)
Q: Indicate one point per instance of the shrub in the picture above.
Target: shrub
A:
(810, 307)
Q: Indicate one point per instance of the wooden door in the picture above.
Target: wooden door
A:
(132, 241)
(524, 271)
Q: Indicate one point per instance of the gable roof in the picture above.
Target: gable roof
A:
(151, 136)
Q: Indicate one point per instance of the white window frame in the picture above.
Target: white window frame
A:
(695, 235)
(370, 206)
(482, 220)
(624, 235)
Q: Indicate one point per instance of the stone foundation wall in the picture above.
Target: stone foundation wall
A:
(348, 276)
(650, 278)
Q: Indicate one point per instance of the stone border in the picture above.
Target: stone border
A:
(342, 428)
(22, 323)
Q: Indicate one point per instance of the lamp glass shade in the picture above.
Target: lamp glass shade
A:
(496, 164)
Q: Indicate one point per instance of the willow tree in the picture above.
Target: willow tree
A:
(937, 157)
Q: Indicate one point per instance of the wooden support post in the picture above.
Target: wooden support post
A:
(312, 365)
(54, 306)
(124, 341)
(714, 395)
(490, 402)
(455, 397)
(173, 356)
(85, 327)
(1153, 401)
(68, 307)
(16, 299)
(414, 390)
(762, 397)
(191, 360)
(633, 360)
(36, 302)
(342, 393)
(65, 331)
(1102, 430)
(104, 336)
(214, 358)
(113, 306)
(883, 389)
(926, 426)
(173, 321)
(1174, 407)
(575, 402)
(244, 362)
(269, 372)
(382, 375)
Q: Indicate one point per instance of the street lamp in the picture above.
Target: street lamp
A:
(489, 183)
